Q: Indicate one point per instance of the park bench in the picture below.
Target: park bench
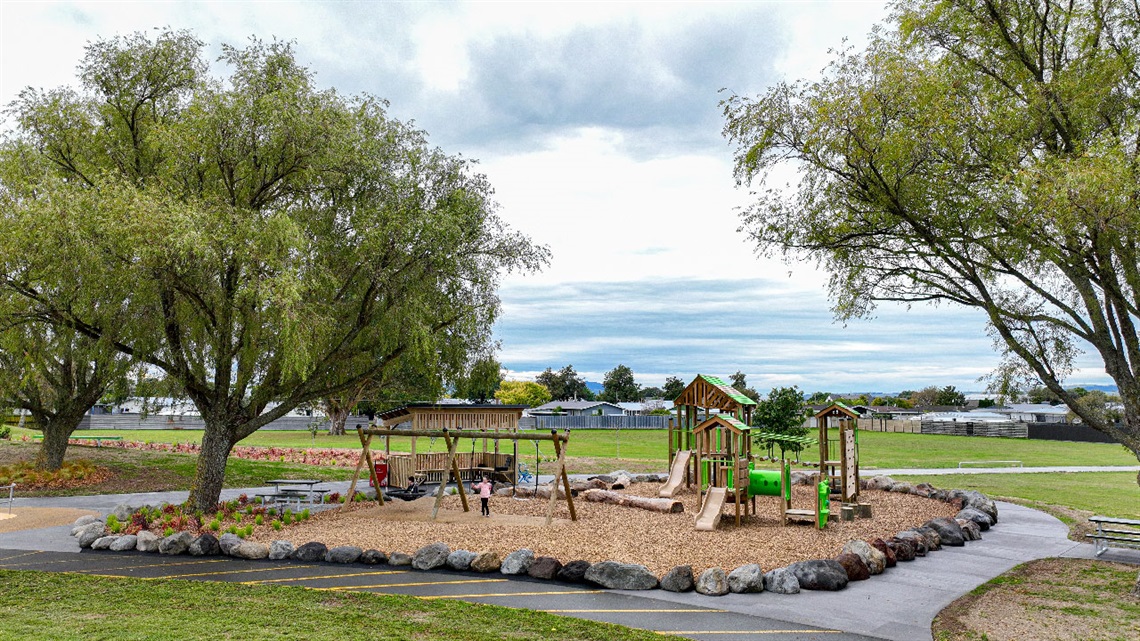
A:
(1114, 532)
(98, 440)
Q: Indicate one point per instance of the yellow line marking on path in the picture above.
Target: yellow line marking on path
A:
(748, 632)
(19, 556)
(508, 594)
(631, 610)
(156, 565)
(322, 576)
(223, 572)
(408, 585)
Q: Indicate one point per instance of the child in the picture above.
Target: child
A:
(484, 494)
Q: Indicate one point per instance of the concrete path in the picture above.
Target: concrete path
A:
(898, 605)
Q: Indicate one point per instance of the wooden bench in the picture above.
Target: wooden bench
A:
(1114, 532)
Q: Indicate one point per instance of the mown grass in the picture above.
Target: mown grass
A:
(1106, 493)
(41, 605)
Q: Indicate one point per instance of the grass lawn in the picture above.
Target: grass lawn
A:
(1107, 493)
(41, 605)
(887, 450)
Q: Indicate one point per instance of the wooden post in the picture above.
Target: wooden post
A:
(559, 474)
(458, 478)
(365, 457)
(443, 477)
(560, 451)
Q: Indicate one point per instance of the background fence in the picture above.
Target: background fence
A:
(1007, 429)
(594, 422)
(138, 422)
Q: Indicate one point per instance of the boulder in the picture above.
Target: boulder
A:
(228, 542)
(604, 478)
(679, 579)
(949, 532)
(621, 576)
(485, 562)
(104, 542)
(373, 557)
(916, 540)
(902, 487)
(89, 533)
(854, 566)
(746, 579)
(431, 556)
(712, 582)
(925, 489)
(903, 549)
(781, 581)
(86, 519)
(875, 560)
(880, 482)
(882, 546)
(279, 550)
(251, 550)
(544, 567)
(460, 560)
(399, 559)
(970, 529)
(517, 562)
(205, 545)
(977, 516)
(310, 552)
(177, 543)
(820, 574)
(933, 540)
(123, 512)
(125, 543)
(344, 554)
(146, 541)
(574, 571)
(979, 501)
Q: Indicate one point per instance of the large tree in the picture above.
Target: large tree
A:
(565, 384)
(619, 386)
(782, 412)
(522, 393)
(980, 153)
(258, 239)
(480, 381)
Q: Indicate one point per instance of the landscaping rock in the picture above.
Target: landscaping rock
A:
(86, 519)
(902, 487)
(399, 558)
(104, 542)
(430, 557)
(251, 550)
(903, 549)
(124, 543)
(820, 574)
(228, 542)
(970, 529)
(146, 541)
(544, 567)
(279, 550)
(517, 562)
(949, 532)
(460, 560)
(917, 541)
(205, 545)
(486, 562)
(123, 512)
(712, 582)
(854, 566)
(604, 478)
(933, 540)
(177, 543)
(746, 579)
(574, 571)
(875, 560)
(621, 576)
(344, 554)
(679, 579)
(882, 546)
(977, 516)
(781, 581)
(880, 482)
(89, 533)
(310, 552)
(979, 501)
(373, 557)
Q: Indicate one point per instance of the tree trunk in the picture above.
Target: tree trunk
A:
(53, 449)
(665, 506)
(338, 419)
(210, 474)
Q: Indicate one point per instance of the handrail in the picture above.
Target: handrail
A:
(11, 493)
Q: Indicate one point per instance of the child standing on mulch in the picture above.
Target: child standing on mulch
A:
(484, 494)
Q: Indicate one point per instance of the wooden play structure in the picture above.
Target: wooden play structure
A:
(702, 398)
(723, 452)
(489, 424)
(839, 458)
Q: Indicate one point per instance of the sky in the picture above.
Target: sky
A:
(599, 126)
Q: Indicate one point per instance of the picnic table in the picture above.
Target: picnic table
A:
(1116, 532)
(296, 491)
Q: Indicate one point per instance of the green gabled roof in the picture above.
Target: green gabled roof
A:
(735, 423)
(731, 391)
(777, 437)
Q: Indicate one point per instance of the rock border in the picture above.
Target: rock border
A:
(858, 561)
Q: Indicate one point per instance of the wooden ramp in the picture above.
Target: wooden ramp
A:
(676, 475)
(709, 517)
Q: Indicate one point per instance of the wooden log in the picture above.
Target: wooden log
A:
(665, 506)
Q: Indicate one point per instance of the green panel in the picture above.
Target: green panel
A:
(764, 483)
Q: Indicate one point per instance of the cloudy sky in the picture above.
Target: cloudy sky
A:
(598, 124)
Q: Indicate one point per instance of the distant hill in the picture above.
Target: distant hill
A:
(595, 387)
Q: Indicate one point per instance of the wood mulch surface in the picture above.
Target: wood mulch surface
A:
(33, 518)
(610, 532)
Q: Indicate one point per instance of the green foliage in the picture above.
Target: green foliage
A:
(565, 384)
(673, 387)
(522, 393)
(215, 525)
(481, 381)
(259, 519)
(619, 386)
(113, 524)
(5, 432)
(783, 412)
(740, 383)
(977, 154)
(276, 525)
(167, 531)
(256, 238)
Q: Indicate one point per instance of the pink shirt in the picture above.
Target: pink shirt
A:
(484, 489)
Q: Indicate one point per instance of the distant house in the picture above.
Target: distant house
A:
(577, 408)
(1035, 412)
(644, 407)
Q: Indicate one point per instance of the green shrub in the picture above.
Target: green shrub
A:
(168, 531)
(259, 519)
(5, 432)
(305, 514)
(276, 525)
(113, 524)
